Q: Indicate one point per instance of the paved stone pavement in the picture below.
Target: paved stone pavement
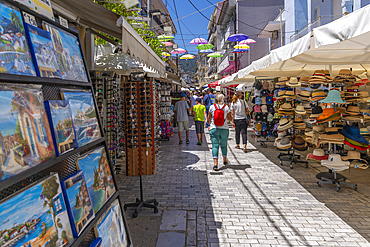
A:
(250, 202)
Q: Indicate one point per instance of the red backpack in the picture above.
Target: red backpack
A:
(219, 116)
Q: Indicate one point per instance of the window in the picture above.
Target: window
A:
(316, 14)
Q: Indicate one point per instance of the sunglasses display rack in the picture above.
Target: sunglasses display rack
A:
(263, 113)
(166, 113)
(49, 169)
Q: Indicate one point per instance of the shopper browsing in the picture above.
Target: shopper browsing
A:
(200, 115)
(181, 110)
(239, 112)
(219, 129)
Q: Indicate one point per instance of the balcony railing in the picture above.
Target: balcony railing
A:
(319, 21)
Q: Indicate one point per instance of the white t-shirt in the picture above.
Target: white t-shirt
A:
(239, 108)
(212, 110)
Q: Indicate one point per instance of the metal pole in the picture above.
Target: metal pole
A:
(236, 54)
(150, 8)
(281, 29)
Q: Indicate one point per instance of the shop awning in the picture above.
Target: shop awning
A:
(95, 16)
(343, 43)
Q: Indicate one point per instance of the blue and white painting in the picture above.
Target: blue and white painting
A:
(31, 218)
(44, 54)
(15, 55)
(68, 54)
(98, 177)
(84, 116)
(79, 202)
(111, 228)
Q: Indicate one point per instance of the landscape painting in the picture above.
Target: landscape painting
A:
(60, 117)
(36, 217)
(111, 228)
(15, 55)
(68, 54)
(44, 54)
(84, 116)
(98, 176)
(78, 202)
(25, 136)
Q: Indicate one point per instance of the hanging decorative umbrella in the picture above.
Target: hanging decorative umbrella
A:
(198, 41)
(187, 57)
(166, 54)
(239, 51)
(215, 54)
(237, 37)
(166, 43)
(242, 47)
(206, 51)
(165, 37)
(178, 51)
(204, 47)
(247, 42)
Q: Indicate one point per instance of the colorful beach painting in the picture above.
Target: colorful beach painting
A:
(60, 116)
(78, 201)
(98, 177)
(84, 116)
(36, 217)
(111, 227)
(25, 136)
(15, 55)
(68, 53)
(44, 53)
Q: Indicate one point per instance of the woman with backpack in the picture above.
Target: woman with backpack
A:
(219, 112)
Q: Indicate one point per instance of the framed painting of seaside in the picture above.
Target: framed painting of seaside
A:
(25, 136)
(84, 116)
(78, 202)
(36, 216)
(111, 227)
(98, 176)
(15, 55)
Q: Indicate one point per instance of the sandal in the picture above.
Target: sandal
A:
(237, 147)
(180, 142)
(245, 150)
(215, 168)
(226, 163)
(187, 142)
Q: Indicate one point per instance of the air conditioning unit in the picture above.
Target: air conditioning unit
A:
(231, 57)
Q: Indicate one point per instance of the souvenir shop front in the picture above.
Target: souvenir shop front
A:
(318, 104)
(62, 126)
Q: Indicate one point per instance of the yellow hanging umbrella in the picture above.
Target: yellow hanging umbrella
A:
(166, 54)
(242, 47)
(187, 57)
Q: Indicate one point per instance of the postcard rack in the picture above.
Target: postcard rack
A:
(65, 164)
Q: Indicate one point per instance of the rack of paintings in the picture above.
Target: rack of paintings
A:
(57, 185)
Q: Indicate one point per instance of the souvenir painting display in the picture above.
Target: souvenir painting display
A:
(43, 52)
(111, 227)
(25, 136)
(98, 176)
(15, 55)
(36, 217)
(68, 54)
(78, 202)
(43, 7)
(84, 116)
(60, 116)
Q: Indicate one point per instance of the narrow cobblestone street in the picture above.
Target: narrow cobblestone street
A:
(251, 202)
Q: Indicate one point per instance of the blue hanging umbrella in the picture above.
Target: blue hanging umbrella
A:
(239, 51)
(237, 37)
(206, 51)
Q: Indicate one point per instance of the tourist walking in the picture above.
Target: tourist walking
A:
(200, 115)
(219, 128)
(208, 100)
(193, 99)
(181, 110)
(240, 122)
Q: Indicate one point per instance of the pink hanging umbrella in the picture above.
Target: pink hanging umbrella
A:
(166, 43)
(247, 42)
(178, 51)
(198, 41)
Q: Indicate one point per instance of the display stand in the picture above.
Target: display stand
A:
(332, 177)
(295, 161)
(140, 203)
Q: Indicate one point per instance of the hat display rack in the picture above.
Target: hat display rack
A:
(291, 121)
(332, 109)
(263, 111)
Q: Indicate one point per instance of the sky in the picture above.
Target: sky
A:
(196, 22)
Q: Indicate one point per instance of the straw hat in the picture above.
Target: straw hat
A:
(282, 81)
(304, 79)
(328, 114)
(318, 155)
(299, 143)
(286, 107)
(285, 124)
(300, 110)
(293, 82)
(316, 112)
(283, 143)
(304, 94)
(333, 97)
(335, 161)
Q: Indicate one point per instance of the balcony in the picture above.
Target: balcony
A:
(319, 21)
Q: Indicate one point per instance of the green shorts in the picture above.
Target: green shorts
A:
(183, 125)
